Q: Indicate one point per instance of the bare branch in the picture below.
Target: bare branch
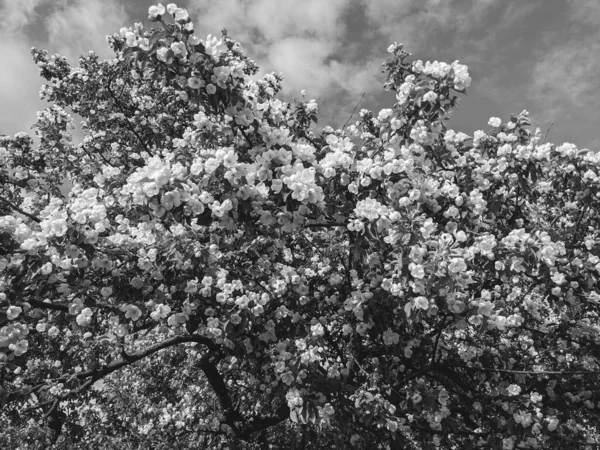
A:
(19, 210)
(131, 128)
(529, 372)
(547, 131)
(102, 371)
(100, 153)
(46, 305)
(208, 365)
(260, 423)
(324, 225)
(354, 110)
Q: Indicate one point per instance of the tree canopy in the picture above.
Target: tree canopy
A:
(206, 268)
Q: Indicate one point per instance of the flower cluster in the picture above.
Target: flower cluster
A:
(384, 277)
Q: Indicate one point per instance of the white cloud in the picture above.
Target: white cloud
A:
(415, 22)
(310, 43)
(19, 87)
(278, 19)
(304, 60)
(75, 28)
(584, 11)
(71, 28)
(303, 40)
(269, 20)
(16, 15)
(565, 79)
(296, 38)
(19, 81)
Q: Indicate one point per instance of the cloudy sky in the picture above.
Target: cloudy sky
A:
(539, 55)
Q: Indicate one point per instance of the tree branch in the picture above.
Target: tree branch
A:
(240, 426)
(528, 372)
(19, 210)
(127, 120)
(101, 372)
(437, 341)
(547, 131)
(564, 438)
(100, 153)
(354, 110)
(260, 423)
(324, 225)
(21, 183)
(208, 366)
(45, 305)
(450, 432)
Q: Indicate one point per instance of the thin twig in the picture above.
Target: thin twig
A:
(564, 438)
(19, 210)
(100, 153)
(129, 125)
(437, 341)
(324, 225)
(354, 110)
(547, 131)
(529, 372)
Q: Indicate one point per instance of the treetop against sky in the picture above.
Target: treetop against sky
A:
(539, 55)
(222, 272)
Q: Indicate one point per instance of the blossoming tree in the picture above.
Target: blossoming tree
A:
(206, 267)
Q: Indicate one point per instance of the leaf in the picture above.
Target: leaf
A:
(159, 34)
(534, 176)
(405, 240)
(357, 402)
(429, 402)
(200, 48)
(294, 415)
(305, 414)
(408, 309)
(312, 413)
(130, 51)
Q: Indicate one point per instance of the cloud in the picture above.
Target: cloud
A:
(532, 55)
(19, 87)
(17, 15)
(284, 18)
(300, 37)
(564, 78)
(267, 21)
(74, 28)
(584, 11)
(71, 28)
(418, 23)
(306, 41)
(304, 60)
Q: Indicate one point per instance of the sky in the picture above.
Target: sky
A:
(538, 55)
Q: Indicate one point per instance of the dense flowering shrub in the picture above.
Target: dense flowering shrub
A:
(206, 267)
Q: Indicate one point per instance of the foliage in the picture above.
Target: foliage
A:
(220, 273)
